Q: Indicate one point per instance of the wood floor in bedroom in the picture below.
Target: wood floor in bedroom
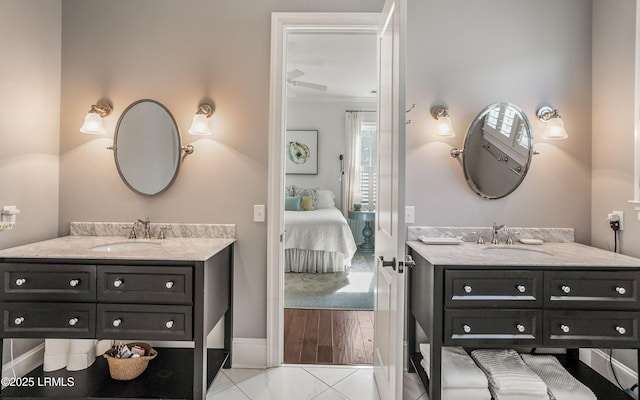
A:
(332, 337)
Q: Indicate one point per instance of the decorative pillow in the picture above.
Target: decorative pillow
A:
(325, 199)
(292, 203)
(313, 192)
(306, 203)
(289, 191)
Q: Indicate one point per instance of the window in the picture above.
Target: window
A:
(368, 178)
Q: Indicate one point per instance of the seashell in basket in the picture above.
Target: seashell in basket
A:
(124, 369)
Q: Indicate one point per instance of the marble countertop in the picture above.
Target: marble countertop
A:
(79, 247)
(547, 254)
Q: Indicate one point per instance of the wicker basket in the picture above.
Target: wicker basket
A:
(125, 369)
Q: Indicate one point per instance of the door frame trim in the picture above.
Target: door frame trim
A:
(281, 25)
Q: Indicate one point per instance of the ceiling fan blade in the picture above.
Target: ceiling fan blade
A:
(309, 85)
(296, 73)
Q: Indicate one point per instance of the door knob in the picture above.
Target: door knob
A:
(391, 263)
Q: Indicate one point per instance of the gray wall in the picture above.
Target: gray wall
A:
(469, 54)
(29, 122)
(178, 52)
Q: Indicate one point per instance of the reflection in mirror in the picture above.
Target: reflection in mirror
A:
(147, 147)
(497, 150)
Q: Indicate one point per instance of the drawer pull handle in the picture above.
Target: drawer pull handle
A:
(20, 281)
(169, 284)
(117, 322)
(521, 288)
(621, 330)
(118, 283)
(18, 320)
(566, 289)
(73, 321)
(466, 328)
(467, 288)
(621, 290)
(74, 282)
(565, 328)
(169, 324)
(520, 328)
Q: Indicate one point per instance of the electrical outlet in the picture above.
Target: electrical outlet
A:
(616, 216)
(409, 215)
(258, 213)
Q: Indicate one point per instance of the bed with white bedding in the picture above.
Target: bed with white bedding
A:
(317, 241)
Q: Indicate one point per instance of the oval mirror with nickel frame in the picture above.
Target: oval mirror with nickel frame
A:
(146, 147)
(497, 150)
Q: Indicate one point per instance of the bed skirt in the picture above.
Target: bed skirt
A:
(312, 261)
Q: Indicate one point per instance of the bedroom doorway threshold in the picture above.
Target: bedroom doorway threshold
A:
(328, 337)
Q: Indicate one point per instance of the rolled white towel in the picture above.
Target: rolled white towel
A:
(561, 384)
(509, 377)
(458, 368)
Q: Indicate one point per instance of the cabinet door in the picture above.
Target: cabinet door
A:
(152, 322)
(47, 282)
(138, 284)
(592, 289)
(502, 327)
(48, 320)
(493, 288)
(616, 329)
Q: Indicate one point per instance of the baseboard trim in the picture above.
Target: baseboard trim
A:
(25, 363)
(249, 353)
(598, 360)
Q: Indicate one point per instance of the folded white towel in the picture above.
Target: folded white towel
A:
(466, 394)
(458, 369)
(561, 384)
(509, 377)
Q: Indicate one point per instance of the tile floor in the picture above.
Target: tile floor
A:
(309, 382)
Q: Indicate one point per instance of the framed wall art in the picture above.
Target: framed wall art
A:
(301, 152)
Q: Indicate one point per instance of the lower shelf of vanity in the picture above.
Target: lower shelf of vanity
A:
(601, 387)
(168, 376)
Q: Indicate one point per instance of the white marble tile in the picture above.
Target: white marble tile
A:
(172, 230)
(237, 375)
(331, 375)
(232, 393)
(284, 383)
(222, 382)
(331, 394)
(413, 376)
(411, 390)
(470, 234)
(359, 385)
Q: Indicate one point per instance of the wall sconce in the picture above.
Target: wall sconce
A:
(93, 121)
(554, 127)
(200, 124)
(443, 122)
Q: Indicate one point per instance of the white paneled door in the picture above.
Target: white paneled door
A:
(389, 225)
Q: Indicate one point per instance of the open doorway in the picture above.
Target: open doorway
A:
(329, 195)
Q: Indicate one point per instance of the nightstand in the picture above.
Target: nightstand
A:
(367, 216)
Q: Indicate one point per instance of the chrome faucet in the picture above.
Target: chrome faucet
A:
(495, 229)
(147, 227)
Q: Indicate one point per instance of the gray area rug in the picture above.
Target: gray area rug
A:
(350, 290)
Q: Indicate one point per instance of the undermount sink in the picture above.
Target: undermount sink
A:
(124, 246)
(517, 250)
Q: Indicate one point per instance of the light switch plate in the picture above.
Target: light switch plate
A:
(409, 215)
(258, 213)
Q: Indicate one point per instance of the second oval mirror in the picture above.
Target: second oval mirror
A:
(147, 147)
(497, 150)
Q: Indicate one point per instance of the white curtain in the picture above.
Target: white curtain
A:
(351, 178)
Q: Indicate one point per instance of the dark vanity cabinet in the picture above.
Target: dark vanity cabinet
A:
(122, 299)
(522, 307)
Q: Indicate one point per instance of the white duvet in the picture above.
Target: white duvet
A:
(321, 230)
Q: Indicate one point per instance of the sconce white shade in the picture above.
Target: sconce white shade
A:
(554, 127)
(93, 120)
(93, 124)
(444, 127)
(200, 122)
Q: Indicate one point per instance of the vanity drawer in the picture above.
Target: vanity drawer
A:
(48, 320)
(591, 328)
(47, 282)
(502, 327)
(493, 288)
(153, 284)
(592, 289)
(152, 322)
